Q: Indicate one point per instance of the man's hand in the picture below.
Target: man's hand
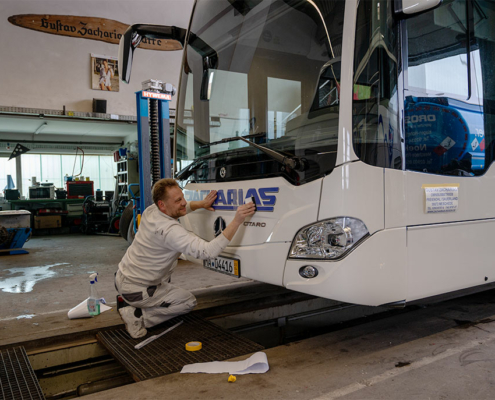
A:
(244, 211)
(208, 201)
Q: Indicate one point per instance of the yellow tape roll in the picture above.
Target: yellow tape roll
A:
(194, 346)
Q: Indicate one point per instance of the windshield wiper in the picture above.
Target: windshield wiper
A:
(231, 139)
(295, 163)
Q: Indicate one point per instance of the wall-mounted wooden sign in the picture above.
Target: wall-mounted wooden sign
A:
(105, 30)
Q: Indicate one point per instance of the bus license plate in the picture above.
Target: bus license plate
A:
(229, 266)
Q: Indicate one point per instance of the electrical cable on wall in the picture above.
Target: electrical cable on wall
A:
(82, 164)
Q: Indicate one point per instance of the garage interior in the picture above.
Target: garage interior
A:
(68, 153)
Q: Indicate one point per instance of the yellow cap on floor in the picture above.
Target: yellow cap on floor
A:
(194, 346)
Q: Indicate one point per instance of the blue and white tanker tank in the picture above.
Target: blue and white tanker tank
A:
(444, 136)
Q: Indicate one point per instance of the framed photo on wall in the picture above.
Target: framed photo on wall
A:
(104, 73)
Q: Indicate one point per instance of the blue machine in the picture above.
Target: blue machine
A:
(15, 231)
(153, 119)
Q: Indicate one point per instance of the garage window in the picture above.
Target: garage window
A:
(53, 168)
(8, 168)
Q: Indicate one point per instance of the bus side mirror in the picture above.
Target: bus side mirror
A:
(408, 8)
(133, 36)
(210, 62)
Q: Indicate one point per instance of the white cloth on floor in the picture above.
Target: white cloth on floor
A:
(256, 364)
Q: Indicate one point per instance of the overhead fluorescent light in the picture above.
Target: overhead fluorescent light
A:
(40, 128)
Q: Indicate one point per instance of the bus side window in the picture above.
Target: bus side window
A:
(376, 137)
(445, 102)
(328, 88)
(483, 55)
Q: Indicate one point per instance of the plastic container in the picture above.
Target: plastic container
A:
(94, 299)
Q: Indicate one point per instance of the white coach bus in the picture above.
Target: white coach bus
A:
(364, 130)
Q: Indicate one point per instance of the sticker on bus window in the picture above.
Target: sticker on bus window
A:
(441, 198)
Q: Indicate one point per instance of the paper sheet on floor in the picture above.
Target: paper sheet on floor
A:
(81, 310)
(256, 364)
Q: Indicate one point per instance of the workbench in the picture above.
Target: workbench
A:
(74, 206)
(57, 213)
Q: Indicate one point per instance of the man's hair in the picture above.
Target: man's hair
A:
(160, 189)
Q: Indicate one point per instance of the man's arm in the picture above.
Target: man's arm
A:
(180, 240)
(206, 203)
(242, 212)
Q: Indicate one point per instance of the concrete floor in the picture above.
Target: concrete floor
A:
(38, 289)
(428, 353)
(444, 351)
(54, 276)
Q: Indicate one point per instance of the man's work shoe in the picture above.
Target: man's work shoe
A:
(134, 325)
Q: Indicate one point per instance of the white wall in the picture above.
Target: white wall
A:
(41, 70)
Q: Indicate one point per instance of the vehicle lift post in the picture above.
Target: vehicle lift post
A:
(153, 123)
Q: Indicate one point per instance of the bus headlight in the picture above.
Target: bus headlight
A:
(329, 239)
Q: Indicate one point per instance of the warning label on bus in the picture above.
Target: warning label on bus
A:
(440, 199)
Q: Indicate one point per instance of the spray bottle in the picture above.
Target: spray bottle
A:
(94, 299)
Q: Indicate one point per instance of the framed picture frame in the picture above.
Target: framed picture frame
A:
(104, 73)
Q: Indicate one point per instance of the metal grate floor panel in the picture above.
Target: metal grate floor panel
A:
(167, 354)
(17, 378)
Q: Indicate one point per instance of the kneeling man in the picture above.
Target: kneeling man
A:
(144, 273)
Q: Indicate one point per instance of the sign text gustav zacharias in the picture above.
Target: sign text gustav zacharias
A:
(105, 30)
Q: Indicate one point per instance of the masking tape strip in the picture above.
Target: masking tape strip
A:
(194, 346)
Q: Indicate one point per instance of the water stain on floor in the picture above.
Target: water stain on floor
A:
(22, 280)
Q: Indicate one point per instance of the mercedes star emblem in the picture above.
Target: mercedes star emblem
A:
(223, 172)
(219, 226)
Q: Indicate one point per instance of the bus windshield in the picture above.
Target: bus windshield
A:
(268, 70)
